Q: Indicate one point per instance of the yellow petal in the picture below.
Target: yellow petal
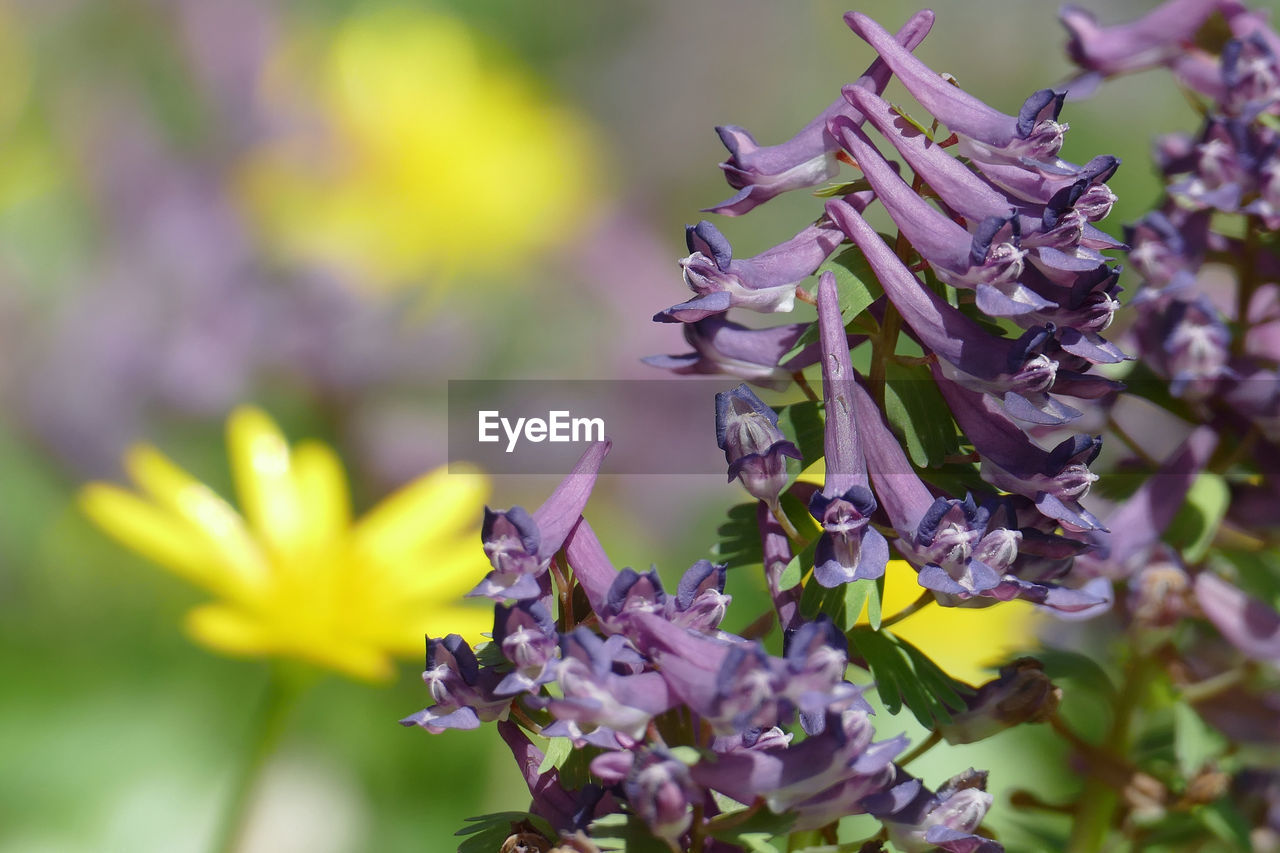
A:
(964, 641)
(436, 504)
(153, 532)
(322, 490)
(214, 520)
(230, 630)
(262, 469)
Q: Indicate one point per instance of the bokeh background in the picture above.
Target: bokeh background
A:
(329, 209)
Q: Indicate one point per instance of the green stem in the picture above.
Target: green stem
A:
(926, 598)
(279, 699)
(927, 744)
(1096, 810)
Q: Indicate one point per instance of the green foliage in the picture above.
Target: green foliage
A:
(751, 830)
(557, 752)
(857, 287)
(625, 832)
(1196, 523)
(738, 539)
(803, 424)
(486, 833)
(844, 603)
(1194, 742)
(905, 676)
(918, 414)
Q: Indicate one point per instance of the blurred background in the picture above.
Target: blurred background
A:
(331, 208)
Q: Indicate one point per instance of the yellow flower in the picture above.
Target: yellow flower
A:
(964, 641)
(296, 577)
(431, 156)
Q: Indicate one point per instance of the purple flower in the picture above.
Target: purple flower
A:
(1055, 480)
(723, 347)
(657, 786)
(809, 158)
(1250, 625)
(527, 636)
(765, 283)
(976, 261)
(986, 133)
(520, 545)
(849, 548)
(919, 819)
(794, 778)
(1021, 694)
(462, 691)
(1154, 39)
(775, 548)
(598, 701)
(699, 603)
(1018, 372)
(1140, 521)
(747, 431)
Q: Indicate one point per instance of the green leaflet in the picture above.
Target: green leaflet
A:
(857, 287)
(751, 830)
(1194, 742)
(1196, 523)
(738, 538)
(485, 833)
(918, 414)
(803, 424)
(905, 676)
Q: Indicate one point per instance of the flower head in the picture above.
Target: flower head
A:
(296, 577)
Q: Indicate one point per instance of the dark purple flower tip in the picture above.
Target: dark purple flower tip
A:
(511, 540)
(766, 283)
(850, 548)
(1250, 625)
(463, 694)
(700, 602)
(527, 635)
(747, 431)
(632, 591)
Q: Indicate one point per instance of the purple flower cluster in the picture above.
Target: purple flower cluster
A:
(1209, 271)
(644, 672)
(991, 212)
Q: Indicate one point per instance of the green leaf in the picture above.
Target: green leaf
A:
(1225, 821)
(833, 190)
(625, 832)
(799, 564)
(1196, 523)
(1082, 670)
(558, 749)
(751, 830)
(857, 287)
(1194, 742)
(803, 423)
(905, 676)
(918, 414)
(487, 832)
(873, 604)
(911, 121)
(738, 539)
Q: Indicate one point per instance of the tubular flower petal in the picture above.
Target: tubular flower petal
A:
(809, 158)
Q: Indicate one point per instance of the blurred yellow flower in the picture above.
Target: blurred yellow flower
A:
(296, 577)
(432, 156)
(964, 641)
